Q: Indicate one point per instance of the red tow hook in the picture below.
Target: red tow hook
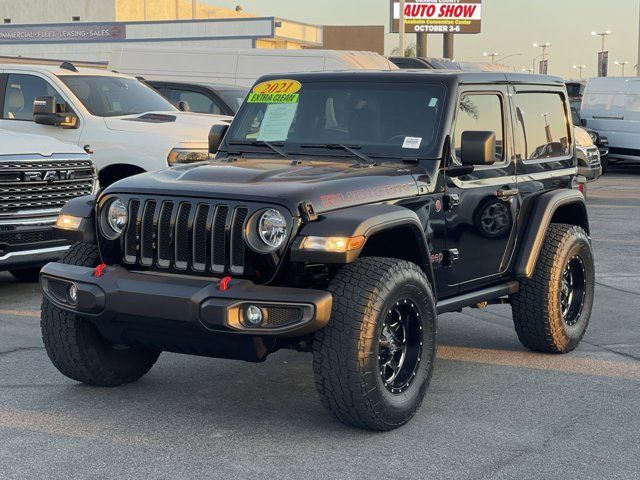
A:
(99, 270)
(223, 286)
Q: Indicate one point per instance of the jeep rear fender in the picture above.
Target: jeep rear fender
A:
(559, 206)
(389, 230)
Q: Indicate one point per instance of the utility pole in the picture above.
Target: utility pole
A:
(193, 9)
(401, 31)
(638, 66)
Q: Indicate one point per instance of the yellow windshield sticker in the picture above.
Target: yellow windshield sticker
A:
(275, 91)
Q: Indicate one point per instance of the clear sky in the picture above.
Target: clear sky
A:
(509, 27)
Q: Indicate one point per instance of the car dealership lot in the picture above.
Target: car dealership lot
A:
(494, 410)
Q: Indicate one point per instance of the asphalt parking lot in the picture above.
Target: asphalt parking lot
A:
(494, 410)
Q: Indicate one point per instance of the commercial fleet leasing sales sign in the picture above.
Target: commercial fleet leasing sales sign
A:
(439, 16)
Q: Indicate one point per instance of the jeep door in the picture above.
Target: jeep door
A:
(17, 93)
(482, 206)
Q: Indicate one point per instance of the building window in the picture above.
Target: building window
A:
(75, 19)
(7, 20)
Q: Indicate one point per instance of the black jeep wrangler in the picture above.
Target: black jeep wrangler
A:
(342, 213)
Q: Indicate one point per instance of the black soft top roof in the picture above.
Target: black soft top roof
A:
(420, 75)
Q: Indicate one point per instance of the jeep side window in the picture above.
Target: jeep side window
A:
(19, 95)
(480, 112)
(542, 129)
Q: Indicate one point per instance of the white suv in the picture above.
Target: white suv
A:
(126, 127)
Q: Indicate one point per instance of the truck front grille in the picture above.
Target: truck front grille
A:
(187, 235)
(32, 185)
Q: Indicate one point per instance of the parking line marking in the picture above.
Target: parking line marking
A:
(21, 313)
(539, 361)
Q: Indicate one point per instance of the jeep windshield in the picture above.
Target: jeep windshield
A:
(115, 96)
(384, 120)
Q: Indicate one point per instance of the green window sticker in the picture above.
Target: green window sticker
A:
(273, 97)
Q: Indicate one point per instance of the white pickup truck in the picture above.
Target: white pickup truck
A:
(37, 176)
(126, 126)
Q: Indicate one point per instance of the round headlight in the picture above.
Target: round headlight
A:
(594, 137)
(115, 219)
(272, 228)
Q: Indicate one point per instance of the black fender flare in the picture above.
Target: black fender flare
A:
(82, 207)
(363, 220)
(545, 209)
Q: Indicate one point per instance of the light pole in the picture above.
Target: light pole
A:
(602, 35)
(529, 70)
(544, 47)
(508, 56)
(603, 56)
(492, 55)
(622, 65)
(580, 68)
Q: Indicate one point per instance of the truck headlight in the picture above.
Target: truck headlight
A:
(179, 156)
(267, 231)
(594, 137)
(114, 219)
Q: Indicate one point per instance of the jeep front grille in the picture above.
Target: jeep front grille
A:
(35, 185)
(195, 236)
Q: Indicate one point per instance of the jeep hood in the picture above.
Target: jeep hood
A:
(185, 126)
(327, 184)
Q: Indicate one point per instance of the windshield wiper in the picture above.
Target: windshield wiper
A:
(349, 149)
(261, 143)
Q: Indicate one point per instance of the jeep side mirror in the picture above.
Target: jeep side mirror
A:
(183, 106)
(478, 148)
(216, 134)
(45, 113)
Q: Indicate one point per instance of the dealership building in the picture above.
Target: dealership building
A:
(89, 30)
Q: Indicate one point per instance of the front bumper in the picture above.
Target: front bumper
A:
(144, 300)
(28, 243)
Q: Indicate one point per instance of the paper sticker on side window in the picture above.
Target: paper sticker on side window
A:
(275, 91)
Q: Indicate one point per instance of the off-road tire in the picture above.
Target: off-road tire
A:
(26, 275)
(346, 352)
(76, 347)
(537, 311)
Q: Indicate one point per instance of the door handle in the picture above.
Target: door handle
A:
(507, 192)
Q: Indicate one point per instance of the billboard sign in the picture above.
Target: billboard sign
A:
(82, 32)
(438, 16)
(544, 67)
(603, 64)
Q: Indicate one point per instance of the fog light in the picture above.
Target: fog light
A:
(73, 294)
(253, 316)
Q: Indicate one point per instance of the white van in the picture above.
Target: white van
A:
(125, 126)
(611, 107)
(240, 67)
